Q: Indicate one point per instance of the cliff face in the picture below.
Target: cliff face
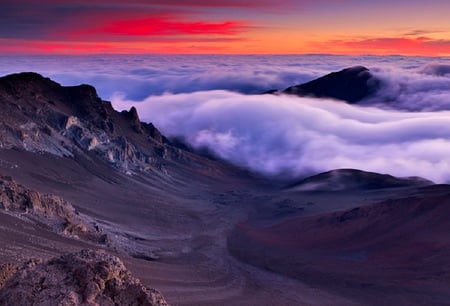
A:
(40, 115)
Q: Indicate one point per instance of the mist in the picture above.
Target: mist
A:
(137, 77)
(295, 137)
(214, 102)
(426, 88)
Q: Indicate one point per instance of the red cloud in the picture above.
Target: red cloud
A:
(160, 44)
(389, 45)
(171, 3)
(165, 26)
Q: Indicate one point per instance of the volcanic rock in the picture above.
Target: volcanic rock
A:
(6, 271)
(84, 278)
(43, 208)
(41, 116)
(133, 117)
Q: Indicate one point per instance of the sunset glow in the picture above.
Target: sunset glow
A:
(229, 27)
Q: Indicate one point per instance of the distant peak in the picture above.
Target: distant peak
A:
(351, 84)
(348, 179)
(355, 69)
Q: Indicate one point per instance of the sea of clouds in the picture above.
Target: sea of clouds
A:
(300, 136)
(214, 102)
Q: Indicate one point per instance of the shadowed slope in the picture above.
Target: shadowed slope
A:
(393, 252)
(351, 85)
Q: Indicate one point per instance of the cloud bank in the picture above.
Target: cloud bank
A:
(283, 135)
(420, 80)
(426, 88)
(208, 100)
(138, 77)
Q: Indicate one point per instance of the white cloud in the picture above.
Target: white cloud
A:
(299, 136)
(413, 90)
(273, 134)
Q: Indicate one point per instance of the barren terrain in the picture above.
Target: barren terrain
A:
(202, 231)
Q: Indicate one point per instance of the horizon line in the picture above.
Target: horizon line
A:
(217, 54)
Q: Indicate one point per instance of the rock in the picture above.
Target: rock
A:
(93, 142)
(15, 197)
(84, 278)
(133, 118)
(39, 115)
(44, 208)
(6, 271)
(71, 121)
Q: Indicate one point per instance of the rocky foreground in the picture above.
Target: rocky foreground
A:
(84, 278)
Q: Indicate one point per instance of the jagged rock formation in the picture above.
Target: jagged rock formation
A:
(39, 115)
(351, 85)
(44, 208)
(84, 278)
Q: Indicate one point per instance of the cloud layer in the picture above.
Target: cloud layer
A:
(208, 100)
(282, 135)
(138, 77)
(426, 88)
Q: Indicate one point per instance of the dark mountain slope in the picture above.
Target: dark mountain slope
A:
(392, 252)
(39, 115)
(351, 85)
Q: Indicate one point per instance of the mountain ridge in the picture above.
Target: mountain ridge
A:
(348, 179)
(40, 115)
(351, 85)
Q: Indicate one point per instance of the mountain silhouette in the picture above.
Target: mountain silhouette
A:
(351, 85)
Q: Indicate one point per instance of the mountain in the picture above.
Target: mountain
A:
(76, 174)
(39, 115)
(86, 190)
(350, 179)
(351, 85)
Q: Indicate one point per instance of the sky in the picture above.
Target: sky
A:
(350, 27)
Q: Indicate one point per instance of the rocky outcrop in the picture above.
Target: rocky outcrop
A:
(351, 85)
(15, 197)
(84, 278)
(133, 118)
(39, 115)
(46, 209)
(6, 272)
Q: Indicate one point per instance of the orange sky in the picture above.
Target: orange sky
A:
(225, 27)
